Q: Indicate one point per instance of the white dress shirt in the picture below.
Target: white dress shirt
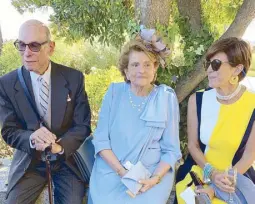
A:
(36, 87)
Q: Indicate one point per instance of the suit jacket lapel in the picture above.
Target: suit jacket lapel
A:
(27, 78)
(59, 93)
(22, 101)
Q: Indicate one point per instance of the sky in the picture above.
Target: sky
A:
(11, 19)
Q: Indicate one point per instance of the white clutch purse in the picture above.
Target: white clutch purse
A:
(130, 180)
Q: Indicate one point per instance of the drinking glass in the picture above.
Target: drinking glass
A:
(233, 174)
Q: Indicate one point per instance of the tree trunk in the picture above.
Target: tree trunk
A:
(1, 41)
(243, 18)
(191, 9)
(152, 11)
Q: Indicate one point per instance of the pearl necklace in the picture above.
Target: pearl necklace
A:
(139, 107)
(230, 96)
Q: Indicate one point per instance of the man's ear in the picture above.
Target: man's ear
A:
(52, 47)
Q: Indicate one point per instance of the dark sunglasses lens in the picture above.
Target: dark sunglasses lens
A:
(216, 65)
(34, 46)
(20, 46)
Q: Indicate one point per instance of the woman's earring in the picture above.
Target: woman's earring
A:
(234, 80)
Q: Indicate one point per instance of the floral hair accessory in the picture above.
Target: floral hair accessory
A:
(154, 44)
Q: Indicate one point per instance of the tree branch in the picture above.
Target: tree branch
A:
(152, 11)
(191, 9)
(243, 18)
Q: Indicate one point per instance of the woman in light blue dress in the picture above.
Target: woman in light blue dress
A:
(136, 115)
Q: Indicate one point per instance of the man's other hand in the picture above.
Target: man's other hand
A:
(42, 138)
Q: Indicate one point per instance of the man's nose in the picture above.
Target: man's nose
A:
(27, 51)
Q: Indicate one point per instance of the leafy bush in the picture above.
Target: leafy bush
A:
(9, 59)
(96, 84)
(81, 55)
(5, 150)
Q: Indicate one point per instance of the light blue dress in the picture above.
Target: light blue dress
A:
(124, 130)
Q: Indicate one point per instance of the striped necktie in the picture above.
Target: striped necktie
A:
(43, 95)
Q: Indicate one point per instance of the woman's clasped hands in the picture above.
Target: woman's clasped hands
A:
(149, 183)
(223, 181)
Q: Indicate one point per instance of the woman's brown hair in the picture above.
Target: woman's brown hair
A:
(134, 45)
(237, 50)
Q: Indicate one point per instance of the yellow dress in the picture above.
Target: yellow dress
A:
(223, 132)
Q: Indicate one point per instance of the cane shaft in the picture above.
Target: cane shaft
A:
(49, 181)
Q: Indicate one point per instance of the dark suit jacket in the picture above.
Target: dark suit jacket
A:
(70, 120)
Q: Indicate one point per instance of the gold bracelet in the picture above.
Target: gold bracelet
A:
(159, 178)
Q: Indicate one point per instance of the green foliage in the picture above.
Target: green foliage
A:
(81, 55)
(218, 14)
(193, 45)
(79, 19)
(9, 59)
(5, 150)
(96, 84)
(187, 47)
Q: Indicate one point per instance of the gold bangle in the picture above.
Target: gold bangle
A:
(159, 178)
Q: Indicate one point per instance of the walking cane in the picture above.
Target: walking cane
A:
(48, 171)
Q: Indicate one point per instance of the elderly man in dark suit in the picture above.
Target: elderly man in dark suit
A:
(61, 101)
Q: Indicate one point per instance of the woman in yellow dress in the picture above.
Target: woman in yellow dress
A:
(221, 132)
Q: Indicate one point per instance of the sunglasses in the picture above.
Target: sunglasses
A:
(215, 64)
(33, 46)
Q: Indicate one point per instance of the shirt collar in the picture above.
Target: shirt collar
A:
(45, 76)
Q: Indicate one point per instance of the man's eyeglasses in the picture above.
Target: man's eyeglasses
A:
(33, 46)
(215, 64)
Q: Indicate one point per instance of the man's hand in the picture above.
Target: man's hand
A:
(42, 138)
